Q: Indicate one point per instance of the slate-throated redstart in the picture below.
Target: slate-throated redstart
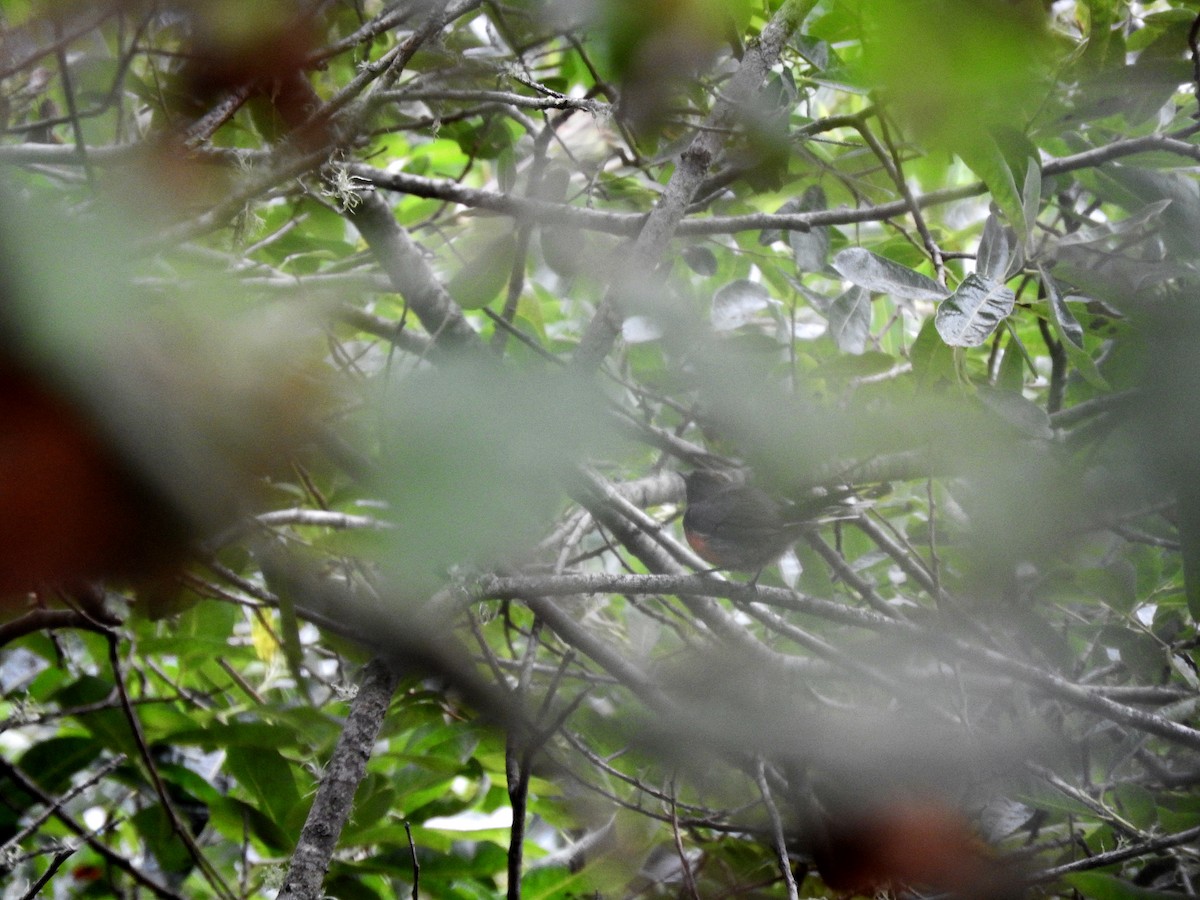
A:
(738, 526)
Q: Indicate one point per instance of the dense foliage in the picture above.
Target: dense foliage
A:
(351, 352)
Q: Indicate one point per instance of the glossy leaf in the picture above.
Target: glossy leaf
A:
(968, 317)
(1070, 332)
(997, 254)
(882, 276)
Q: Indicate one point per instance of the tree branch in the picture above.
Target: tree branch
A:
(410, 274)
(689, 172)
(344, 772)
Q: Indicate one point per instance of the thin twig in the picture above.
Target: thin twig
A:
(685, 868)
(214, 878)
(416, 864)
(891, 163)
(1193, 32)
(55, 864)
(517, 760)
(114, 859)
(781, 851)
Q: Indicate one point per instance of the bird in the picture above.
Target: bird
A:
(739, 527)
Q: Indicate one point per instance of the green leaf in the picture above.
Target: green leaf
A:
(1070, 333)
(215, 735)
(1003, 158)
(1102, 886)
(161, 840)
(700, 260)
(998, 255)
(850, 320)
(235, 819)
(1031, 194)
(52, 762)
(1011, 376)
(1066, 326)
(932, 358)
(1133, 224)
(810, 249)
(1024, 415)
(484, 276)
(1188, 511)
(268, 777)
(1136, 804)
(289, 625)
(968, 317)
(552, 883)
(108, 725)
(571, 251)
(882, 276)
(738, 303)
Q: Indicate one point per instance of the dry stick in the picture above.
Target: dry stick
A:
(843, 660)
(1125, 830)
(1111, 857)
(760, 775)
(643, 540)
(621, 223)
(210, 872)
(200, 131)
(499, 98)
(55, 864)
(911, 564)
(347, 766)
(61, 40)
(294, 158)
(689, 172)
(545, 213)
(842, 568)
(689, 883)
(945, 644)
(50, 619)
(891, 162)
(33, 825)
(602, 764)
(517, 763)
(385, 21)
(345, 104)
(412, 852)
(629, 224)
(599, 651)
(411, 275)
(288, 163)
(114, 859)
(516, 277)
(1193, 32)
(64, 73)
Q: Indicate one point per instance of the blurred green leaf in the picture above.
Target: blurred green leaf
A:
(1102, 886)
(850, 320)
(484, 276)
